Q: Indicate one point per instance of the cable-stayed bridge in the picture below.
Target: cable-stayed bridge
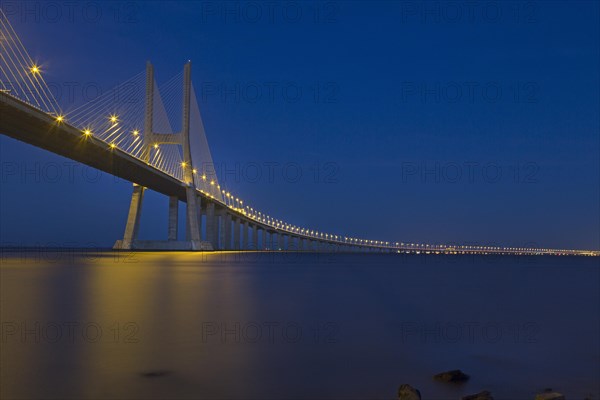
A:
(153, 136)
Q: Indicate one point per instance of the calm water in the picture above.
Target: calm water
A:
(290, 326)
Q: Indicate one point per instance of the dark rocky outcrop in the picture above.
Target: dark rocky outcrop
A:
(155, 374)
(407, 392)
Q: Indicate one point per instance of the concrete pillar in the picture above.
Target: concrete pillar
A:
(228, 220)
(199, 206)
(267, 240)
(236, 233)
(222, 240)
(225, 230)
(301, 244)
(245, 234)
(211, 225)
(188, 175)
(280, 244)
(149, 112)
(221, 231)
(192, 214)
(173, 217)
(134, 216)
(254, 237)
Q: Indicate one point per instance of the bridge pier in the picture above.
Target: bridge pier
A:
(224, 232)
(245, 233)
(280, 244)
(173, 217)
(199, 208)
(254, 237)
(236, 233)
(193, 201)
(192, 217)
(133, 219)
(212, 229)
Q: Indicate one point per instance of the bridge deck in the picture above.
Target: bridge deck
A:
(30, 125)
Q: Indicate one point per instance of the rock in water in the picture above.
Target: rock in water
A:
(455, 375)
(549, 395)
(485, 395)
(407, 392)
(155, 374)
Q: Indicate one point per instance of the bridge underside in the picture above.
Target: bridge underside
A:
(29, 125)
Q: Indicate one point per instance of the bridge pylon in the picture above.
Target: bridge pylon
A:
(193, 200)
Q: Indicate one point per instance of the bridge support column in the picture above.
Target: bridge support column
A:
(298, 241)
(173, 217)
(236, 233)
(280, 244)
(199, 208)
(192, 217)
(212, 229)
(254, 237)
(225, 231)
(245, 238)
(133, 219)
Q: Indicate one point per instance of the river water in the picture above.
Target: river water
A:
(90, 324)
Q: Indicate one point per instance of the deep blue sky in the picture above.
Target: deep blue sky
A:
(388, 76)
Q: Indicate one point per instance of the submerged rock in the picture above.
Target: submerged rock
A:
(155, 374)
(407, 392)
(456, 375)
(549, 395)
(485, 395)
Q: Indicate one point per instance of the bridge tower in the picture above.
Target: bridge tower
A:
(193, 200)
